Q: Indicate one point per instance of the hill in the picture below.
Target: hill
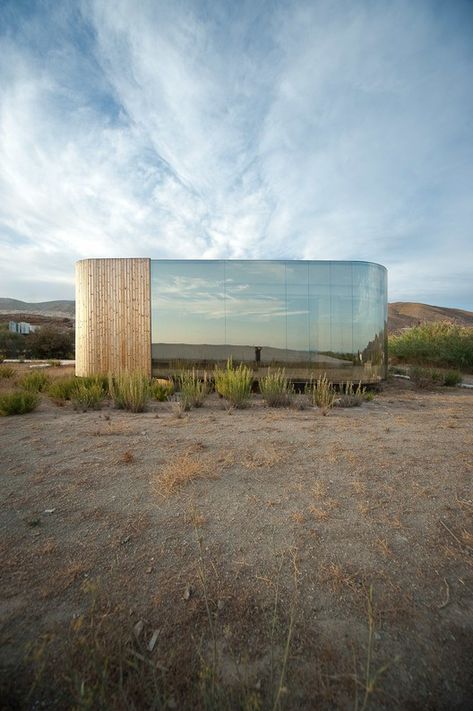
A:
(402, 314)
(57, 309)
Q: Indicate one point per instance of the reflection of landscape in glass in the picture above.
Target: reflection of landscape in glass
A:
(302, 315)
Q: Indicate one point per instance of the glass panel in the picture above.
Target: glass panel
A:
(306, 316)
(188, 311)
(255, 295)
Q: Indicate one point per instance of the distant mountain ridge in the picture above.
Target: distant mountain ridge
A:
(61, 309)
(401, 314)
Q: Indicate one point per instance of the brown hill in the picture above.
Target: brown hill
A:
(402, 314)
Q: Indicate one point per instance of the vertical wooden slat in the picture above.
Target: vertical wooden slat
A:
(113, 316)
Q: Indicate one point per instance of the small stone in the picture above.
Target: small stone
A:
(138, 628)
(153, 640)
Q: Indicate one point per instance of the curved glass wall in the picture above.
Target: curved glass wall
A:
(306, 316)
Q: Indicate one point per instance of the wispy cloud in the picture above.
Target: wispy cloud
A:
(252, 130)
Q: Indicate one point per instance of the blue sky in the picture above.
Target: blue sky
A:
(324, 129)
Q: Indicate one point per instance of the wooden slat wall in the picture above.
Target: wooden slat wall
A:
(113, 316)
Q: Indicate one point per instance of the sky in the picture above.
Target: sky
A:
(326, 129)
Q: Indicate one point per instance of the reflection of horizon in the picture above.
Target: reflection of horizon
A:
(221, 352)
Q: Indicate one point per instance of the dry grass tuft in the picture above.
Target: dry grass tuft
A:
(384, 547)
(338, 578)
(181, 471)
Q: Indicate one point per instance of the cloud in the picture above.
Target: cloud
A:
(256, 130)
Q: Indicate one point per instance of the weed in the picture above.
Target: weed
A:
(98, 379)
(321, 393)
(234, 384)
(276, 389)
(61, 389)
(86, 396)
(35, 381)
(452, 378)
(161, 389)
(6, 371)
(350, 396)
(18, 403)
(193, 389)
(425, 377)
(130, 391)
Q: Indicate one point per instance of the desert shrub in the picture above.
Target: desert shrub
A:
(62, 388)
(234, 384)
(99, 379)
(425, 377)
(350, 396)
(321, 392)
(276, 389)
(193, 389)
(36, 381)
(129, 391)
(161, 389)
(6, 371)
(18, 403)
(86, 396)
(12, 344)
(439, 344)
(452, 378)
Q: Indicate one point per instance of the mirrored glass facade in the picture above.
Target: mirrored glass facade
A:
(306, 316)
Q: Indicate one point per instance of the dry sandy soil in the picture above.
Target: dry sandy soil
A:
(285, 559)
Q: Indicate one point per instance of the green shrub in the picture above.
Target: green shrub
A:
(321, 392)
(350, 396)
(439, 344)
(276, 389)
(193, 389)
(87, 396)
(234, 384)
(6, 371)
(129, 391)
(49, 342)
(161, 389)
(100, 380)
(425, 377)
(18, 403)
(452, 378)
(61, 389)
(36, 381)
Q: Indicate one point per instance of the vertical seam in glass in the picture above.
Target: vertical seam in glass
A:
(308, 313)
(285, 298)
(225, 301)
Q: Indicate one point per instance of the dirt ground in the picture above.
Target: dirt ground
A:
(306, 561)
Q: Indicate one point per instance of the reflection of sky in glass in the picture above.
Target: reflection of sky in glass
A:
(299, 306)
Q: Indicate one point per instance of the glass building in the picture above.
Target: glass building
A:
(307, 316)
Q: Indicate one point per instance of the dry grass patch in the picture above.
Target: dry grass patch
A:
(263, 458)
(181, 471)
(339, 578)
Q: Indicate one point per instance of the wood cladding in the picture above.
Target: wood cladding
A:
(113, 316)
